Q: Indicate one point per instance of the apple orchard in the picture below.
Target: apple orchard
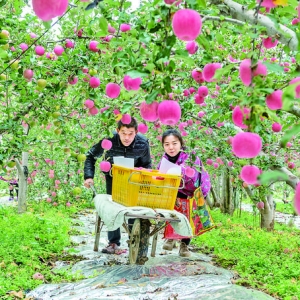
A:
(225, 73)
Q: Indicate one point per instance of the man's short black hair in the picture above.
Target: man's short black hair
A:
(133, 123)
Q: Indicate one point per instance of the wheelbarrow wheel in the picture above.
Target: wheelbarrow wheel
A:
(144, 242)
(134, 241)
(139, 241)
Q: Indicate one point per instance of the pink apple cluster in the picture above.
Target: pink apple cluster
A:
(23, 46)
(201, 95)
(72, 80)
(111, 29)
(126, 119)
(267, 3)
(260, 205)
(191, 47)
(51, 174)
(276, 127)
(197, 76)
(93, 110)
(250, 173)
(274, 100)
(246, 144)
(28, 74)
(125, 27)
(142, 128)
(58, 50)
(246, 71)
(94, 82)
(112, 90)
(106, 144)
(186, 24)
(39, 50)
(209, 71)
(149, 111)
(169, 112)
(48, 9)
(105, 166)
(239, 115)
(296, 82)
(93, 46)
(89, 103)
(69, 44)
(269, 43)
(132, 83)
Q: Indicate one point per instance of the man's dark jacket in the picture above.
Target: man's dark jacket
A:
(138, 150)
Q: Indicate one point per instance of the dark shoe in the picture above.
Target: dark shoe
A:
(10, 199)
(169, 245)
(183, 250)
(110, 249)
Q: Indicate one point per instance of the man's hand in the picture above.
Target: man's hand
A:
(88, 182)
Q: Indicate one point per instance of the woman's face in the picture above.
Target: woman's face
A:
(172, 145)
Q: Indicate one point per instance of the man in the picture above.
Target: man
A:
(125, 142)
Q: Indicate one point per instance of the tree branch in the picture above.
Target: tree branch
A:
(294, 111)
(237, 11)
(205, 18)
(292, 179)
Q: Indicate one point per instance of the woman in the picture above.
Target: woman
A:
(173, 145)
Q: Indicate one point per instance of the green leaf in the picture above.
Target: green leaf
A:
(288, 96)
(3, 54)
(268, 177)
(273, 67)
(150, 67)
(171, 40)
(215, 116)
(151, 97)
(126, 107)
(145, 38)
(136, 73)
(188, 60)
(223, 71)
(203, 41)
(201, 3)
(3, 2)
(289, 134)
(252, 5)
(103, 24)
(167, 84)
(47, 24)
(219, 38)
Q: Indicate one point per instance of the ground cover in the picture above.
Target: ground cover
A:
(268, 261)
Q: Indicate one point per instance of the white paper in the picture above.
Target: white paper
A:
(167, 167)
(125, 162)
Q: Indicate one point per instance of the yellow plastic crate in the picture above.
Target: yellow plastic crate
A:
(132, 187)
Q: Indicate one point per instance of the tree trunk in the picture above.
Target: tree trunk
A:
(23, 175)
(215, 197)
(227, 205)
(267, 214)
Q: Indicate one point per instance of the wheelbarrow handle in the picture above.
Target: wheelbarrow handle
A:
(93, 189)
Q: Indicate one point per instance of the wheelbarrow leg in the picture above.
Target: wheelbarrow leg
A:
(154, 243)
(98, 228)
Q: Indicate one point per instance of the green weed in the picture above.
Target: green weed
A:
(268, 261)
(32, 242)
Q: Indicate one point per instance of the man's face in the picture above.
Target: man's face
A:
(126, 135)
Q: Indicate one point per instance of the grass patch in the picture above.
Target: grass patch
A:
(268, 261)
(32, 242)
